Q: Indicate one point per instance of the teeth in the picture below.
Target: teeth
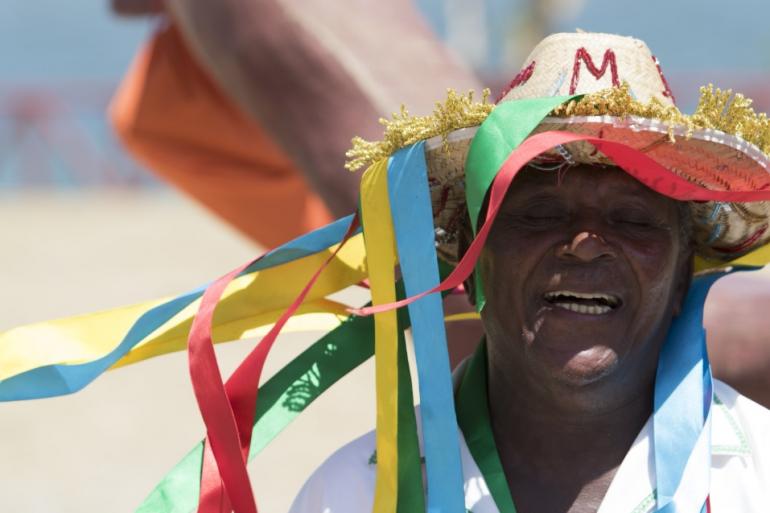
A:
(584, 309)
(564, 294)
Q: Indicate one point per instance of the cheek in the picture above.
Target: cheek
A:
(656, 266)
(506, 283)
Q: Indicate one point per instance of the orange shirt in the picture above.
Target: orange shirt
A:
(175, 120)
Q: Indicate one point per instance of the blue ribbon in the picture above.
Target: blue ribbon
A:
(54, 380)
(413, 225)
(683, 392)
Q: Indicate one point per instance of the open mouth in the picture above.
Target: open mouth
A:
(591, 303)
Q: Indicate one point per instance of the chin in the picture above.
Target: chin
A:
(585, 368)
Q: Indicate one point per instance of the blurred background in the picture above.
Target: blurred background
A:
(84, 226)
(59, 68)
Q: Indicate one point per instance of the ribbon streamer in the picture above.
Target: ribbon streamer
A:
(282, 398)
(228, 410)
(681, 425)
(381, 257)
(473, 417)
(413, 222)
(61, 357)
(411, 494)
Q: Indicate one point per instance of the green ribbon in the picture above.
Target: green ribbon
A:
(411, 495)
(504, 129)
(473, 418)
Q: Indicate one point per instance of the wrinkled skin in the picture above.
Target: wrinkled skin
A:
(558, 377)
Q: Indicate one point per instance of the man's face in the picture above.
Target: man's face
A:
(582, 273)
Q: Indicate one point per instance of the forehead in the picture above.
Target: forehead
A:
(589, 182)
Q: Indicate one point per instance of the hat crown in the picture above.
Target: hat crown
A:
(587, 62)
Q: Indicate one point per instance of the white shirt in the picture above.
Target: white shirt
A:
(740, 469)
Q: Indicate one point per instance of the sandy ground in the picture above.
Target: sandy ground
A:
(104, 448)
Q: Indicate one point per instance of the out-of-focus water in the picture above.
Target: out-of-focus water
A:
(71, 55)
(47, 41)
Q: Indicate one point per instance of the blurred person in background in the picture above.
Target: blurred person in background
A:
(248, 106)
(242, 106)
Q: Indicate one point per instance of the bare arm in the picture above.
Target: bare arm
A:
(737, 325)
(315, 73)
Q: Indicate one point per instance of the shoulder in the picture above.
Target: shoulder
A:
(343, 483)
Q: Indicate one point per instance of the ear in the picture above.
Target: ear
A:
(686, 267)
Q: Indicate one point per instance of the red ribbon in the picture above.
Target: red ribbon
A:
(634, 162)
(228, 410)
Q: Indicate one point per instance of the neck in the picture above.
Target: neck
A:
(564, 444)
(548, 425)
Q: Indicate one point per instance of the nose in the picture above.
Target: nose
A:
(586, 247)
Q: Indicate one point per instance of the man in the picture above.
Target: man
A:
(584, 283)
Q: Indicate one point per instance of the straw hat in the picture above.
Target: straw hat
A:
(627, 99)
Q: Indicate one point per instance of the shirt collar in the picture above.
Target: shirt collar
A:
(728, 437)
(632, 488)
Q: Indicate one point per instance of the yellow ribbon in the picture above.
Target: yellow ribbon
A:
(321, 315)
(251, 301)
(381, 259)
(758, 257)
(463, 316)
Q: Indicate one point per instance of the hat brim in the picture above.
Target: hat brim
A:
(709, 158)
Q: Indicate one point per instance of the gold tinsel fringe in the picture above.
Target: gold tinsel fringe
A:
(717, 110)
(458, 111)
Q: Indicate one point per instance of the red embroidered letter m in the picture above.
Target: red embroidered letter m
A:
(607, 60)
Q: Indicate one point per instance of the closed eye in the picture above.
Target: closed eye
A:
(535, 219)
(635, 219)
(540, 211)
(636, 222)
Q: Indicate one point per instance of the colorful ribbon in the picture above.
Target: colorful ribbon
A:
(281, 399)
(381, 258)
(61, 357)
(506, 127)
(473, 417)
(228, 410)
(411, 494)
(413, 222)
(681, 425)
